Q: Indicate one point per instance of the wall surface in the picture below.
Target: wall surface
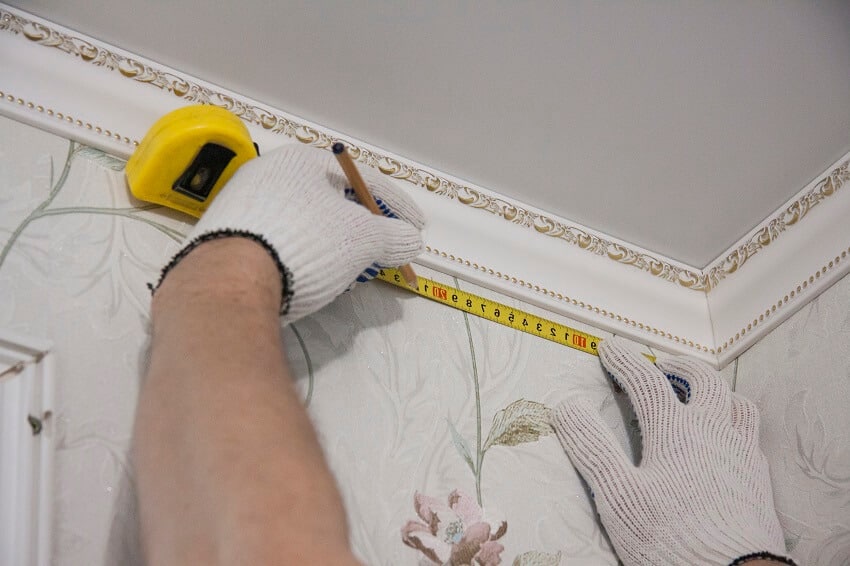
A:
(799, 375)
(400, 389)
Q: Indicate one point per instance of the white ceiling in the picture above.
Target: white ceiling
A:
(676, 126)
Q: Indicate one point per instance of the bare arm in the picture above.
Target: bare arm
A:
(229, 468)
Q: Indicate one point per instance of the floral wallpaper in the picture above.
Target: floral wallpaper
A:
(434, 423)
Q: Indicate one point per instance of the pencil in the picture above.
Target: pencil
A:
(366, 198)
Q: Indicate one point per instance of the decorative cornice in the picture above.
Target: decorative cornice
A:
(657, 266)
(772, 228)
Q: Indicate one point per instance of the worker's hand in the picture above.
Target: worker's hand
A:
(292, 201)
(701, 493)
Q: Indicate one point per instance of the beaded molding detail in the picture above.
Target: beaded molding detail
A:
(568, 300)
(63, 117)
(796, 292)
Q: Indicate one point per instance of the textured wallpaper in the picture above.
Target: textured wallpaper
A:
(420, 410)
(799, 375)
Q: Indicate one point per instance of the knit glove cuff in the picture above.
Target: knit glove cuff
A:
(285, 274)
(762, 556)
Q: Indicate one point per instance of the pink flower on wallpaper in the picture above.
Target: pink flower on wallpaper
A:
(455, 534)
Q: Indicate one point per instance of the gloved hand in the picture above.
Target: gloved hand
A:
(701, 493)
(292, 202)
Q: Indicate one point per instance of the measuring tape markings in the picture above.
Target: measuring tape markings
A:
(497, 312)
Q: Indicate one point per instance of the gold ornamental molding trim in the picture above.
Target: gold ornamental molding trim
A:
(690, 278)
(790, 216)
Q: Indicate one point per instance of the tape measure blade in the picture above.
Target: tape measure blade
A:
(497, 312)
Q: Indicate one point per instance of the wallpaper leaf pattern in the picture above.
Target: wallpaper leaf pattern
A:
(409, 398)
(461, 446)
(534, 558)
(521, 421)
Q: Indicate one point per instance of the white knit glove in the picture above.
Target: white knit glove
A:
(701, 493)
(292, 201)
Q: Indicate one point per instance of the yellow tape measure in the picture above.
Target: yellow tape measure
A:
(496, 312)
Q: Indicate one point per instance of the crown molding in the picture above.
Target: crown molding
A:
(790, 258)
(787, 216)
(102, 96)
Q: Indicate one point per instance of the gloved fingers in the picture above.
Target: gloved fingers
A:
(291, 162)
(302, 168)
(590, 445)
(701, 386)
(398, 242)
(390, 194)
(745, 417)
(386, 209)
(648, 389)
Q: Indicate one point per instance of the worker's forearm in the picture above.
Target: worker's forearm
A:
(229, 470)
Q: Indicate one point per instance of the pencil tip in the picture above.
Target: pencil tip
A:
(338, 148)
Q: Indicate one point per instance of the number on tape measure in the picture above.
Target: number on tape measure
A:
(496, 312)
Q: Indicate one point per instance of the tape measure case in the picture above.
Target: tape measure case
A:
(188, 156)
